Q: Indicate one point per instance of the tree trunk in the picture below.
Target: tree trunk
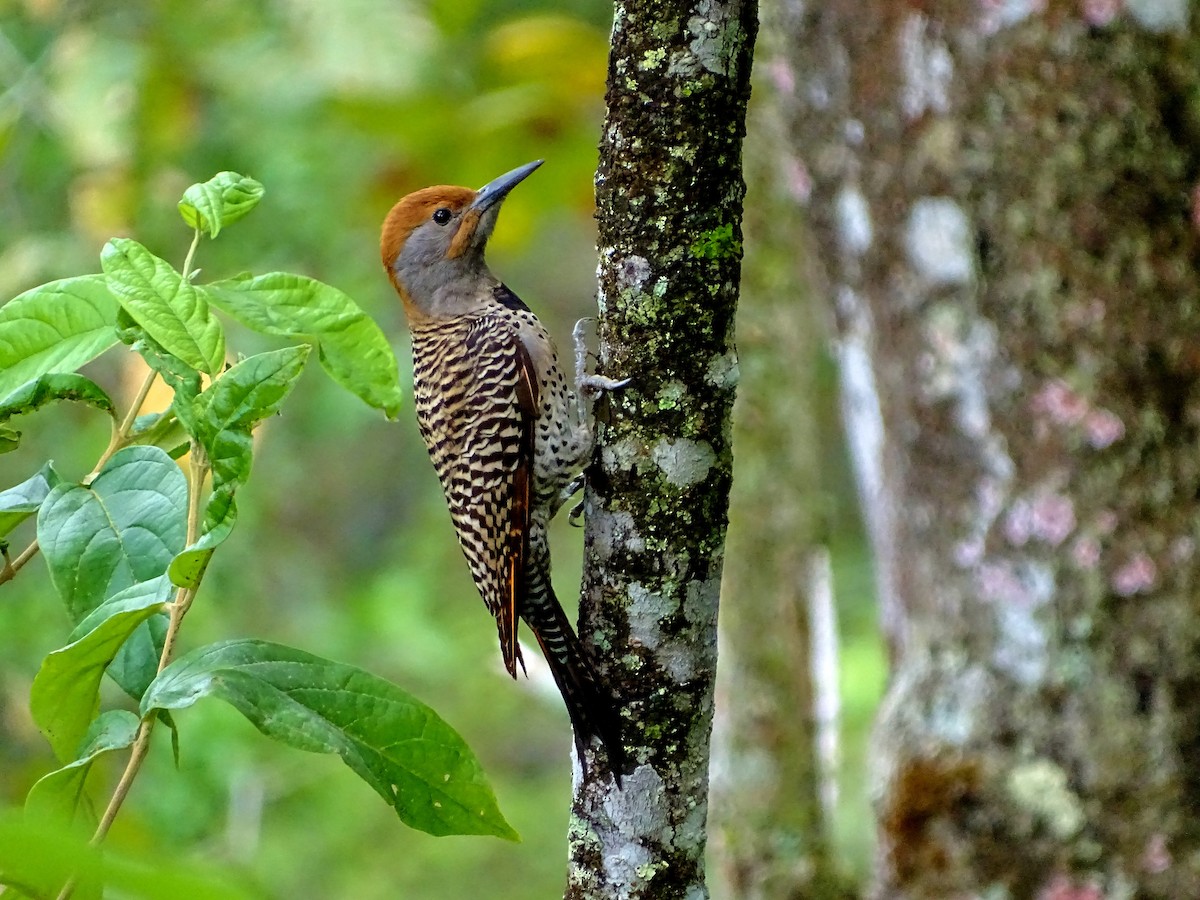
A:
(1005, 197)
(776, 732)
(669, 195)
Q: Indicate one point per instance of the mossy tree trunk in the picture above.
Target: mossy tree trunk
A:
(1005, 197)
(669, 195)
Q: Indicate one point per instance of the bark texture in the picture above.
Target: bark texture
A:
(669, 194)
(1005, 197)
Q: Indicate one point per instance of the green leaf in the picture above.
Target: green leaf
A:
(219, 517)
(55, 327)
(220, 201)
(227, 411)
(66, 690)
(159, 299)
(123, 528)
(40, 857)
(56, 386)
(59, 795)
(391, 740)
(178, 375)
(353, 349)
(20, 502)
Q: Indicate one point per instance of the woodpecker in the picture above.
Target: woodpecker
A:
(504, 432)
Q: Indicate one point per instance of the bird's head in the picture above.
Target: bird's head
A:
(433, 241)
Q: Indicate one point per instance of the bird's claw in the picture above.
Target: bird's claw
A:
(594, 385)
(576, 514)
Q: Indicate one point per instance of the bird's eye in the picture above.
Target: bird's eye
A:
(441, 216)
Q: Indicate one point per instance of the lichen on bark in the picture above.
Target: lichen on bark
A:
(669, 194)
(1017, 229)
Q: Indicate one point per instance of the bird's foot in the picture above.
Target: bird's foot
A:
(579, 335)
(572, 487)
(594, 385)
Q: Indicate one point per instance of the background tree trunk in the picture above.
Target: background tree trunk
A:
(669, 194)
(777, 730)
(1005, 197)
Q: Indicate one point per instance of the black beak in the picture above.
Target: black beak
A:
(497, 189)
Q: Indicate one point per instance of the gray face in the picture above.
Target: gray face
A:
(437, 283)
(440, 267)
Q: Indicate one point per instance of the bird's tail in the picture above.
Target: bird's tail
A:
(590, 706)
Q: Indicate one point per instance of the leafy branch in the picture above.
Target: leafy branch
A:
(127, 546)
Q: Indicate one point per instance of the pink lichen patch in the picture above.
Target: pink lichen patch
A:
(998, 582)
(799, 181)
(1103, 428)
(1106, 521)
(1099, 13)
(782, 77)
(1196, 207)
(1063, 887)
(1156, 858)
(1137, 576)
(1060, 403)
(1052, 518)
(1049, 517)
(1085, 552)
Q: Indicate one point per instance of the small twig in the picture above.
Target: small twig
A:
(11, 568)
(120, 435)
(187, 260)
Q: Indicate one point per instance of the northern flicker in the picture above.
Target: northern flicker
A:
(505, 434)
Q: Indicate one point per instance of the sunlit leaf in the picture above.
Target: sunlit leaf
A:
(55, 327)
(59, 795)
(171, 310)
(220, 201)
(353, 349)
(391, 740)
(21, 501)
(66, 690)
(227, 411)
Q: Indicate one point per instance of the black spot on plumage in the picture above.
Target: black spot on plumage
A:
(509, 300)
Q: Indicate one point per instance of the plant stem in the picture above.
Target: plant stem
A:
(187, 260)
(121, 435)
(197, 471)
(11, 569)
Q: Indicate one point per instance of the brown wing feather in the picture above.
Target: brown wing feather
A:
(522, 495)
(480, 434)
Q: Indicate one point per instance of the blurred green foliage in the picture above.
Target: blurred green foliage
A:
(108, 111)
